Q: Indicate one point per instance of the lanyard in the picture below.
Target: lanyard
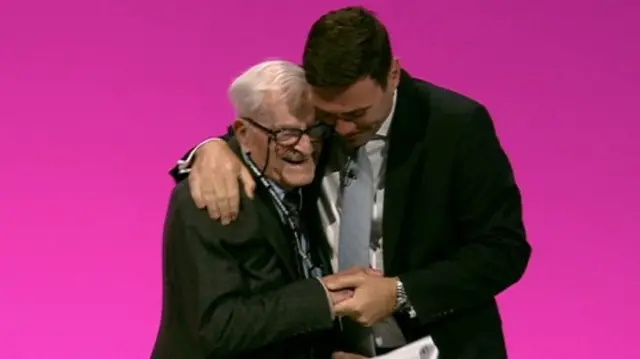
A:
(287, 218)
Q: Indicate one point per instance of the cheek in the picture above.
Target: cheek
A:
(264, 155)
(259, 151)
(363, 124)
(373, 119)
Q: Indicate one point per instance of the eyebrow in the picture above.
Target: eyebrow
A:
(361, 109)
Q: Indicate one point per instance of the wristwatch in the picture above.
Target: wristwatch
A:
(402, 301)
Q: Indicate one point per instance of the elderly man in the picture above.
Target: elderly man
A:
(253, 289)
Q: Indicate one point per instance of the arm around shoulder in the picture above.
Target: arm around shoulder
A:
(182, 168)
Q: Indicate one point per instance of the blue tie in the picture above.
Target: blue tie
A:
(355, 235)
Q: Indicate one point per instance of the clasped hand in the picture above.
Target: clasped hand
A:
(371, 297)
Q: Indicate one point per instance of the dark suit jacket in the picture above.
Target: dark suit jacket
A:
(237, 291)
(452, 223)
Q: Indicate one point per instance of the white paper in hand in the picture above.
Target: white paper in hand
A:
(423, 348)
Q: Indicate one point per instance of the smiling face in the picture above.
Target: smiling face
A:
(358, 111)
(349, 63)
(284, 141)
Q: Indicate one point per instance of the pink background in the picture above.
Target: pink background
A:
(98, 98)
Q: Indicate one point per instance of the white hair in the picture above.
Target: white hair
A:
(264, 82)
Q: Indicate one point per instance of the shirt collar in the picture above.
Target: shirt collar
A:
(282, 193)
(384, 128)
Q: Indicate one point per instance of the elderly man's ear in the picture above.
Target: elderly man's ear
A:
(240, 129)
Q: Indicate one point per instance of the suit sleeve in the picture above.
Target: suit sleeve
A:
(180, 170)
(224, 319)
(488, 213)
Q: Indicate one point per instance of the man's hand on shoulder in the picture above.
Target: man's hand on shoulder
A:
(214, 180)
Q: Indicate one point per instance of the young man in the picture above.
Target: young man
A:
(417, 185)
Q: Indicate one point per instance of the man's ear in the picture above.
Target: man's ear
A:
(396, 71)
(240, 129)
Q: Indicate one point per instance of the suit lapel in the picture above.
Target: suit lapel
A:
(278, 235)
(311, 216)
(405, 141)
(321, 251)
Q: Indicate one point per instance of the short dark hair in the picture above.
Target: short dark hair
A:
(345, 46)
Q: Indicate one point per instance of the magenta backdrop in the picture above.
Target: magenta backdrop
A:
(97, 98)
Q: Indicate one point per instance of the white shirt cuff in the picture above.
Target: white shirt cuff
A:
(184, 166)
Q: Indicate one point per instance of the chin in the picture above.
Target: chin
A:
(355, 141)
(299, 177)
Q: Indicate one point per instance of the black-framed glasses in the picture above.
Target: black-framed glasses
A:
(291, 136)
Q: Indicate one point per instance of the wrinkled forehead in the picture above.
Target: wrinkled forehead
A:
(363, 94)
(292, 112)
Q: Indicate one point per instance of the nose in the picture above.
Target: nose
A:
(304, 145)
(345, 128)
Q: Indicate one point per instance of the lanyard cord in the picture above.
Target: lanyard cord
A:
(286, 214)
